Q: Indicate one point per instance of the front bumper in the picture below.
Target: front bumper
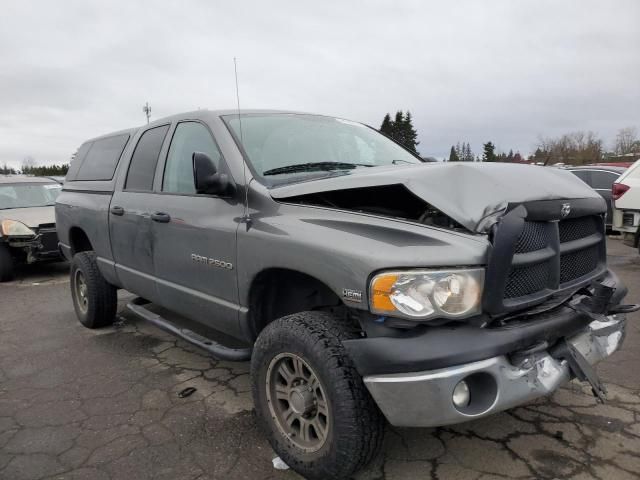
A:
(44, 246)
(424, 399)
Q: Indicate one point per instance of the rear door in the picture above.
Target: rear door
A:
(195, 236)
(130, 225)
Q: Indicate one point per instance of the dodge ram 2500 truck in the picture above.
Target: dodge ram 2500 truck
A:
(363, 284)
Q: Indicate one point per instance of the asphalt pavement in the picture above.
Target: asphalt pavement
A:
(105, 404)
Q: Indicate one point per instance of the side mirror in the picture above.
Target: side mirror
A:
(205, 176)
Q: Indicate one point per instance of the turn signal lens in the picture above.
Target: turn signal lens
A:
(12, 228)
(618, 189)
(424, 294)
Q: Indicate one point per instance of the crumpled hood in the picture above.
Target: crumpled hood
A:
(473, 194)
(31, 217)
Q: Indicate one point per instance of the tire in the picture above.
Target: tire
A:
(94, 299)
(7, 267)
(353, 425)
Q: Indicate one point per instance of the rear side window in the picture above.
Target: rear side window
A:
(584, 175)
(77, 160)
(144, 159)
(102, 158)
(603, 180)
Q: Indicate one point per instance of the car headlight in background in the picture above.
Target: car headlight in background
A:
(12, 228)
(424, 294)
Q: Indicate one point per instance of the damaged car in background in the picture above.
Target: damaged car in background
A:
(362, 283)
(27, 222)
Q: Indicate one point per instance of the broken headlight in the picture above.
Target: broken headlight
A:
(425, 294)
(13, 228)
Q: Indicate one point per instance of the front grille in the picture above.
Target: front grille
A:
(576, 228)
(537, 271)
(579, 263)
(524, 281)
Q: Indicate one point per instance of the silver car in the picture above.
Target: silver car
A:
(27, 222)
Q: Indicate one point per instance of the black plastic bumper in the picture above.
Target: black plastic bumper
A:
(430, 348)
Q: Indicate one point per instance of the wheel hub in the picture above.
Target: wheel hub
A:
(297, 402)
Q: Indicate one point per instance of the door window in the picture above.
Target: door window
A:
(602, 180)
(188, 138)
(144, 159)
(584, 175)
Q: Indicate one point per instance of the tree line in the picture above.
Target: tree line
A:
(39, 171)
(575, 148)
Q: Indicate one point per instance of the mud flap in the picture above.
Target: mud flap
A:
(582, 369)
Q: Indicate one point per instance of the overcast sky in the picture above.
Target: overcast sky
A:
(506, 71)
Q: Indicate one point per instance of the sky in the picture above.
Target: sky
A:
(469, 71)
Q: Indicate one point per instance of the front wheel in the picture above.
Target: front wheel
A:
(6, 264)
(310, 400)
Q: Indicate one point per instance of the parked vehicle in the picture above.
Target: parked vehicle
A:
(601, 179)
(363, 283)
(27, 222)
(626, 205)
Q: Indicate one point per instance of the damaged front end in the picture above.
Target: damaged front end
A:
(35, 245)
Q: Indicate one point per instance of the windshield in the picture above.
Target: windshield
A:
(19, 195)
(290, 147)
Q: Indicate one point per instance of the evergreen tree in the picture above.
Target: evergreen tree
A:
(398, 128)
(387, 126)
(489, 154)
(410, 134)
(510, 156)
(453, 156)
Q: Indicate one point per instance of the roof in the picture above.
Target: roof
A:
(7, 179)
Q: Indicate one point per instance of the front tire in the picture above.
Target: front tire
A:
(7, 267)
(310, 401)
(94, 299)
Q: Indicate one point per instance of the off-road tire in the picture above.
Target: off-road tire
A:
(101, 297)
(357, 426)
(6, 264)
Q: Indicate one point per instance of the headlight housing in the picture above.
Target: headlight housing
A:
(13, 228)
(426, 294)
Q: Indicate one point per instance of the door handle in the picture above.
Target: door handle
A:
(161, 217)
(117, 211)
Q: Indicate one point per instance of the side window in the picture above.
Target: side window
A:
(584, 175)
(144, 159)
(602, 180)
(189, 137)
(102, 158)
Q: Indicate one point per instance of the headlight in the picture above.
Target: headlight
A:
(424, 294)
(15, 228)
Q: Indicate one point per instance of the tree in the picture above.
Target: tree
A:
(387, 126)
(576, 148)
(6, 170)
(489, 154)
(401, 130)
(410, 134)
(453, 156)
(627, 141)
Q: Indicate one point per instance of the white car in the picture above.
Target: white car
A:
(625, 194)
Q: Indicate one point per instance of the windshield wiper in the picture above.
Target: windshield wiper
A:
(307, 167)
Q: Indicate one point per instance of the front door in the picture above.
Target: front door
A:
(194, 236)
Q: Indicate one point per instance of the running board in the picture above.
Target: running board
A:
(214, 348)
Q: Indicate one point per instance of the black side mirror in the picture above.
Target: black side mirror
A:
(206, 177)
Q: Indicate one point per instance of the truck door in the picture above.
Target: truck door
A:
(130, 225)
(195, 236)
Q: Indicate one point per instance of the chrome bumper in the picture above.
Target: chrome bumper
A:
(424, 399)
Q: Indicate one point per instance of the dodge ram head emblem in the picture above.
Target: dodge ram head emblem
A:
(565, 210)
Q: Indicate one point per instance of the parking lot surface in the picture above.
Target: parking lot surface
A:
(104, 404)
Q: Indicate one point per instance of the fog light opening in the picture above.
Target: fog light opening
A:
(461, 394)
(475, 394)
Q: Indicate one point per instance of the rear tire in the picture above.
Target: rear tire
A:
(94, 299)
(7, 267)
(300, 369)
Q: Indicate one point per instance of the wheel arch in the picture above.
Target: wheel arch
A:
(79, 240)
(276, 292)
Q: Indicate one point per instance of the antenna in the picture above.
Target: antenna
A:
(244, 162)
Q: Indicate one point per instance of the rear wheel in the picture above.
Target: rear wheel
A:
(6, 264)
(310, 400)
(94, 299)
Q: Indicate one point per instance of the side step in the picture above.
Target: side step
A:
(214, 348)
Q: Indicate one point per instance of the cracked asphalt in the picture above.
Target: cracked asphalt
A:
(81, 404)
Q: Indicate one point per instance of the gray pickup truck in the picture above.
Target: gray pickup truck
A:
(363, 283)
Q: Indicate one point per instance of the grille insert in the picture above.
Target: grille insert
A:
(534, 237)
(527, 280)
(577, 264)
(576, 228)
